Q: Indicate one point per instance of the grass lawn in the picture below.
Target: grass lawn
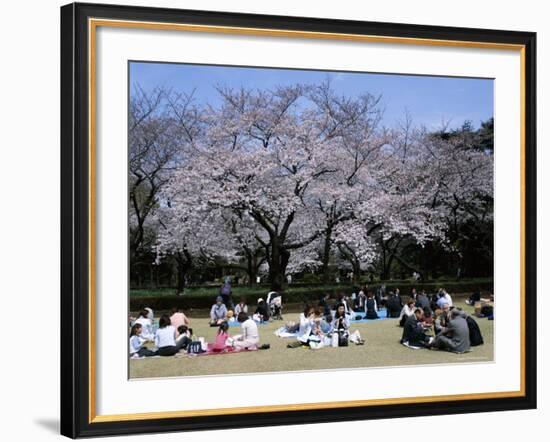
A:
(382, 349)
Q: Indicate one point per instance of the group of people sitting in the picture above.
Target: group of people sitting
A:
(173, 335)
(223, 310)
(320, 326)
(427, 321)
(445, 328)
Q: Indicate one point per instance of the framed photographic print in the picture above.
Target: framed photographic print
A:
(274, 220)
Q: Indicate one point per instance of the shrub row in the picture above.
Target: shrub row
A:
(294, 295)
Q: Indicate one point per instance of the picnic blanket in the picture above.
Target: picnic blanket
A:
(282, 332)
(238, 324)
(210, 352)
(382, 314)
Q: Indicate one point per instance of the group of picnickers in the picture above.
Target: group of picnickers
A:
(428, 321)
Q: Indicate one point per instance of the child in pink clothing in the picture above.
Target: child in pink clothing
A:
(219, 345)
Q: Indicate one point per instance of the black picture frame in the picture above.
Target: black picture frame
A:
(75, 220)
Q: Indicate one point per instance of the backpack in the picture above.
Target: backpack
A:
(475, 334)
(194, 347)
(342, 338)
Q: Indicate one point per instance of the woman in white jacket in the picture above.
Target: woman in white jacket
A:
(407, 311)
(306, 325)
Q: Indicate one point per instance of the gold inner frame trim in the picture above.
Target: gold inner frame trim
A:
(93, 24)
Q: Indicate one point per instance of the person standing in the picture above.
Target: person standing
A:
(225, 292)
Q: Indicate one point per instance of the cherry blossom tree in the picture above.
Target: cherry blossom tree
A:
(291, 179)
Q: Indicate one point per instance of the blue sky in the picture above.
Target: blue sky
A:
(429, 99)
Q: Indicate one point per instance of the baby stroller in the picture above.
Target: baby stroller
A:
(275, 303)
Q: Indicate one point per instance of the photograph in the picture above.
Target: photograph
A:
(291, 220)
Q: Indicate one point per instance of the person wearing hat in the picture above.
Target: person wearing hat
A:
(218, 312)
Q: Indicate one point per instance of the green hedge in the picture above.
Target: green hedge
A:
(295, 295)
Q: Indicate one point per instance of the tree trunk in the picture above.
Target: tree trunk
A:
(183, 267)
(356, 265)
(277, 265)
(326, 256)
(252, 268)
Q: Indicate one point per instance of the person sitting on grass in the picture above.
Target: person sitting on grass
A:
(414, 335)
(371, 308)
(444, 297)
(221, 339)
(455, 337)
(474, 297)
(428, 320)
(150, 313)
(250, 338)
(184, 332)
(165, 338)
(343, 299)
(341, 329)
(442, 317)
(422, 300)
(146, 325)
(178, 318)
(262, 311)
(218, 313)
(407, 311)
(394, 305)
(341, 325)
(360, 301)
(241, 307)
(304, 327)
(137, 348)
(476, 338)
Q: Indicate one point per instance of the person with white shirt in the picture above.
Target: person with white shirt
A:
(146, 325)
(241, 307)
(444, 298)
(407, 311)
(305, 327)
(137, 347)
(165, 338)
(250, 338)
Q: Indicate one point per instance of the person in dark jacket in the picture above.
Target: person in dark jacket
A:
(324, 305)
(476, 337)
(422, 300)
(262, 310)
(413, 331)
(474, 297)
(370, 307)
(394, 305)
